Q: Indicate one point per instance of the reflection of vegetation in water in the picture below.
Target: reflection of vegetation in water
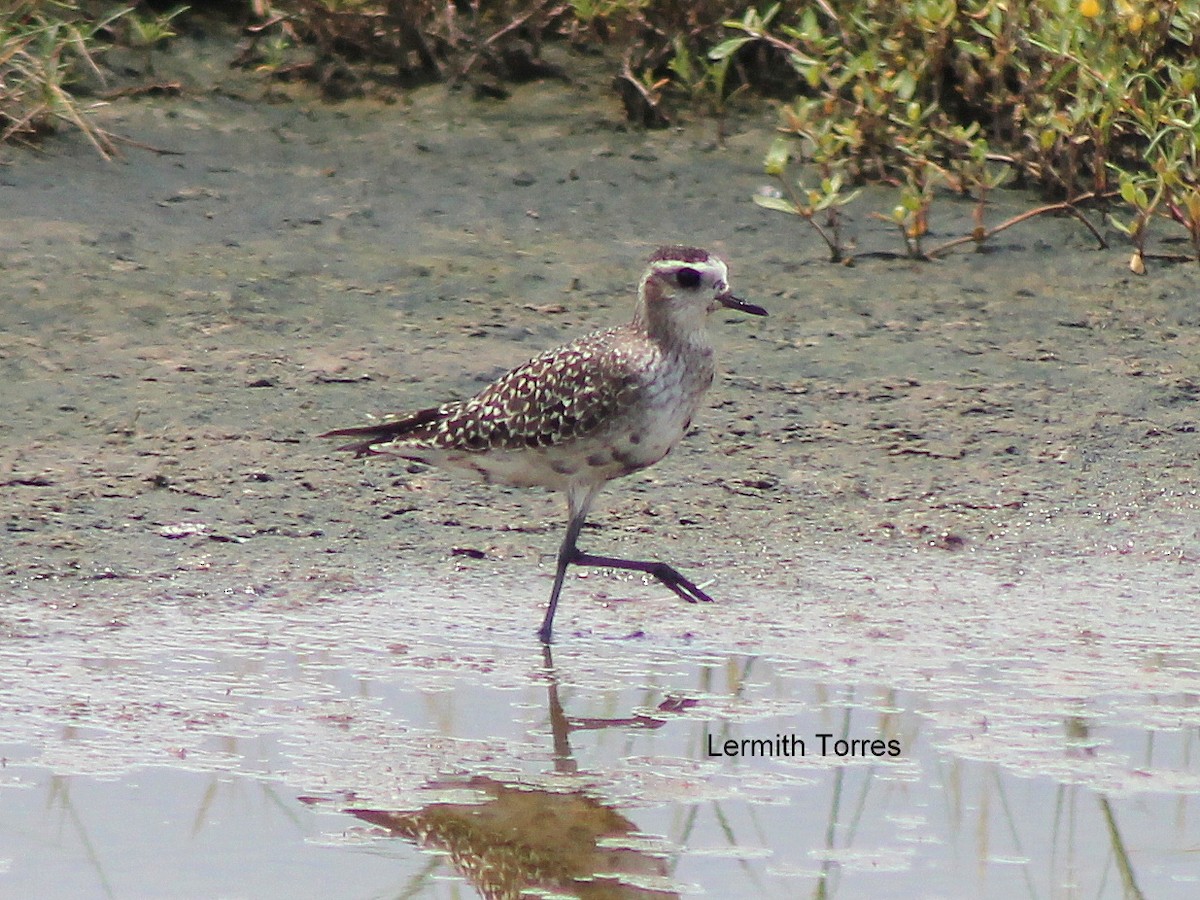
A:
(94, 827)
(1120, 854)
(980, 808)
(524, 837)
(60, 798)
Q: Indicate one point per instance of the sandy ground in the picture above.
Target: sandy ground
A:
(907, 468)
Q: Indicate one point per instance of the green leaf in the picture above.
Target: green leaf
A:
(727, 48)
(777, 156)
(810, 24)
(779, 204)
(681, 62)
(836, 199)
(905, 86)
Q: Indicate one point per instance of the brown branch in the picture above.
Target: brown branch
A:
(1067, 206)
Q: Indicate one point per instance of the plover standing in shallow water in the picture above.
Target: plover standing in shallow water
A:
(572, 419)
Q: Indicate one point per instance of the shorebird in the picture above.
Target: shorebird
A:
(572, 419)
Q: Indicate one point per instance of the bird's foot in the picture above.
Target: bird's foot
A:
(683, 587)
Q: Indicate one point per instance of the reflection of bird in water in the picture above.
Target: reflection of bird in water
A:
(573, 419)
(519, 840)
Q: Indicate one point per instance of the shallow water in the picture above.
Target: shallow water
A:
(219, 752)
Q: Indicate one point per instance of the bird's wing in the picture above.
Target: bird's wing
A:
(555, 397)
(558, 396)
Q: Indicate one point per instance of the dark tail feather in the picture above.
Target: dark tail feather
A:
(384, 431)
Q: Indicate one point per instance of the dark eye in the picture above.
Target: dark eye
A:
(688, 278)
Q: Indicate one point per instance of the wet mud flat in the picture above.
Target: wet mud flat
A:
(952, 505)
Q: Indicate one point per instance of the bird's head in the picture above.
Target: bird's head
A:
(683, 285)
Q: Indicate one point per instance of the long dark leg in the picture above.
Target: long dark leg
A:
(569, 554)
(566, 555)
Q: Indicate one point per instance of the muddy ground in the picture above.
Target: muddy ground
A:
(176, 329)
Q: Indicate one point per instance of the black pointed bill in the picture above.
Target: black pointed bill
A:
(731, 302)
